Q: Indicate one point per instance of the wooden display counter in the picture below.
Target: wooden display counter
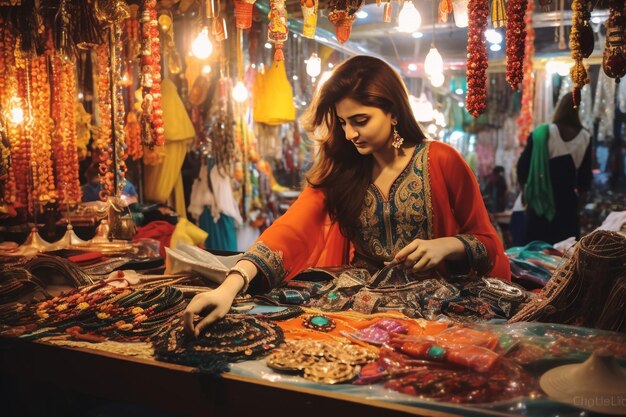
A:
(30, 371)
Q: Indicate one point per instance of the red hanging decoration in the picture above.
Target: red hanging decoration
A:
(515, 41)
(525, 120)
(476, 72)
(277, 31)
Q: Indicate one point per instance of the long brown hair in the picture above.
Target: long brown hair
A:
(340, 171)
(565, 112)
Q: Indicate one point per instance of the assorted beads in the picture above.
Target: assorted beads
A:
(578, 73)
(102, 147)
(64, 136)
(152, 131)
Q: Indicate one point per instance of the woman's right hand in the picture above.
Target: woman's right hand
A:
(215, 304)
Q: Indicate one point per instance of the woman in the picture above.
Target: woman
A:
(379, 191)
(554, 170)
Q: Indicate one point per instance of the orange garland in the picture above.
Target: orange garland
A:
(64, 136)
(103, 150)
(38, 93)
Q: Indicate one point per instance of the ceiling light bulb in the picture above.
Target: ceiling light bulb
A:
(240, 92)
(409, 19)
(493, 36)
(361, 14)
(412, 67)
(495, 47)
(314, 65)
(433, 64)
(201, 46)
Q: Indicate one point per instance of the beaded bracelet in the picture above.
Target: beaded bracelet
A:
(244, 275)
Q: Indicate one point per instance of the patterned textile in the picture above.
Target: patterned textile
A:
(431, 298)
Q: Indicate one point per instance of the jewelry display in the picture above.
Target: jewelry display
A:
(324, 362)
(233, 338)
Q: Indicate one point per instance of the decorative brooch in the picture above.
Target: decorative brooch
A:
(318, 322)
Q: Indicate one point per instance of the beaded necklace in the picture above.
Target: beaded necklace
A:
(234, 338)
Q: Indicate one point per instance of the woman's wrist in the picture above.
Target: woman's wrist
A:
(455, 249)
(233, 283)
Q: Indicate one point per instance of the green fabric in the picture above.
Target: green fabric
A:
(538, 190)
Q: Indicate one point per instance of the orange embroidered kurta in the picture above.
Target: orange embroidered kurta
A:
(436, 195)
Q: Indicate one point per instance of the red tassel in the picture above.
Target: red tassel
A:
(278, 53)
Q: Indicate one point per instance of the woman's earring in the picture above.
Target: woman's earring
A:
(397, 139)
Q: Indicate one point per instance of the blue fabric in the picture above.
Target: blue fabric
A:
(222, 235)
(91, 191)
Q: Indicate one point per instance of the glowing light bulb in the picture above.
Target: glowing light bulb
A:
(409, 19)
(16, 115)
(201, 46)
(314, 65)
(412, 67)
(493, 36)
(563, 68)
(240, 92)
(206, 69)
(433, 64)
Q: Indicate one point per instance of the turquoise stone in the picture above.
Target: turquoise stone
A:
(332, 295)
(320, 321)
(436, 352)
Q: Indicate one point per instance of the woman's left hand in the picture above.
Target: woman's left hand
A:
(420, 255)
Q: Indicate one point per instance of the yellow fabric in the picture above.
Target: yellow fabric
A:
(258, 91)
(274, 103)
(185, 232)
(189, 233)
(160, 179)
(176, 121)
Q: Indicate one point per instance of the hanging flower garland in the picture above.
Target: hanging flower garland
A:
(153, 133)
(515, 38)
(277, 31)
(476, 72)
(525, 120)
(578, 73)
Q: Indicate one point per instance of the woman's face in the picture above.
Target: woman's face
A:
(368, 128)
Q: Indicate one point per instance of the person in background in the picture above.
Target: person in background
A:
(555, 171)
(496, 190)
(91, 189)
(379, 192)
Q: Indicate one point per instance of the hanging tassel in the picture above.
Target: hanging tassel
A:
(278, 52)
(498, 14)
